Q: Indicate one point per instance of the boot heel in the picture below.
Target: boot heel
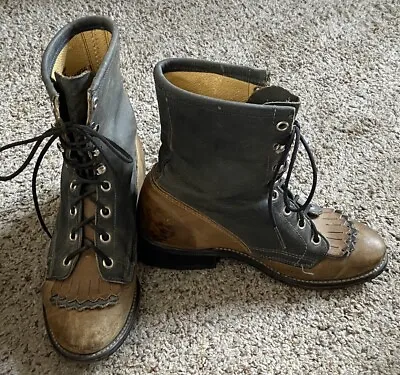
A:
(157, 256)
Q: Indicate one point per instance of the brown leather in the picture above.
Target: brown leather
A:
(212, 85)
(85, 313)
(169, 222)
(368, 254)
(166, 220)
(84, 284)
(88, 331)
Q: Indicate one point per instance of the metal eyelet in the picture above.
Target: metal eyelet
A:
(73, 236)
(95, 153)
(73, 185)
(73, 211)
(105, 212)
(301, 226)
(66, 264)
(106, 238)
(95, 102)
(279, 148)
(275, 195)
(282, 126)
(286, 211)
(94, 126)
(316, 242)
(105, 186)
(108, 266)
(101, 169)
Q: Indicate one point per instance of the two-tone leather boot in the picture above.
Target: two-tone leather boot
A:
(91, 292)
(221, 185)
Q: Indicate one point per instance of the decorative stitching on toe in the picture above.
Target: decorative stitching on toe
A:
(99, 303)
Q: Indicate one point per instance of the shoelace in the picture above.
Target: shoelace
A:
(80, 146)
(291, 202)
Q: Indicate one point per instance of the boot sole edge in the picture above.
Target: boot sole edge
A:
(159, 256)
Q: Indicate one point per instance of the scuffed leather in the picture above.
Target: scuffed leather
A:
(166, 220)
(89, 308)
(368, 255)
(224, 173)
(85, 285)
(87, 331)
(169, 222)
(217, 157)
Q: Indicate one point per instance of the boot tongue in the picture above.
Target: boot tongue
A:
(274, 95)
(74, 107)
(73, 96)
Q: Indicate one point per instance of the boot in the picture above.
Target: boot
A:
(221, 186)
(91, 293)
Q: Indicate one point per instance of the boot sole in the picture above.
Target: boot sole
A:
(110, 348)
(167, 257)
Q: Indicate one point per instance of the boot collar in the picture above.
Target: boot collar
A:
(252, 81)
(60, 41)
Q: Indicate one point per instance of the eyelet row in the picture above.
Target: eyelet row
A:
(105, 238)
(287, 212)
(105, 185)
(105, 212)
(66, 263)
(281, 126)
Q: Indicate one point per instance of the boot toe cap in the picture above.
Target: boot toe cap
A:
(369, 251)
(85, 332)
(92, 333)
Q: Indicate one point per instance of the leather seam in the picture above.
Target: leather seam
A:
(256, 260)
(308, 281)
(298, 233)
(198, 214)
(285, 253)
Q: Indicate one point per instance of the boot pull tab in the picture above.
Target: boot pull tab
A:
(274, 95)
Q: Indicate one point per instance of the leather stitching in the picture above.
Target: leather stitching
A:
(298, 233)
(75, 304)
(309, 281)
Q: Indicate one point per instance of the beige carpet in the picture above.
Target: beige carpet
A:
(342, 59)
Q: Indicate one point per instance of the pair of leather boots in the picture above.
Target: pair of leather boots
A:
(219, 190)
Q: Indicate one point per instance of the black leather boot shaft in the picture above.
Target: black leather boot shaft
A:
(219, 156)
(110, 113)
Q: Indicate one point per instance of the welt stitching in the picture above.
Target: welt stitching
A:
(308, 281)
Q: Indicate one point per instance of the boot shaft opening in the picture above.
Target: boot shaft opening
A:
(213, 85)
(84, 52)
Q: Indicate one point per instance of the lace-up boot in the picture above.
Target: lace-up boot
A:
(91, 292)
(221, 185)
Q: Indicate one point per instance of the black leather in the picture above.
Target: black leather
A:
(109, 107)
(218, 157)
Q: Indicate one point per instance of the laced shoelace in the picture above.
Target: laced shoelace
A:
(80, 148)
(291, 202)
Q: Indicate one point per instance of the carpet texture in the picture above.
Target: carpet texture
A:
(342, 59)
